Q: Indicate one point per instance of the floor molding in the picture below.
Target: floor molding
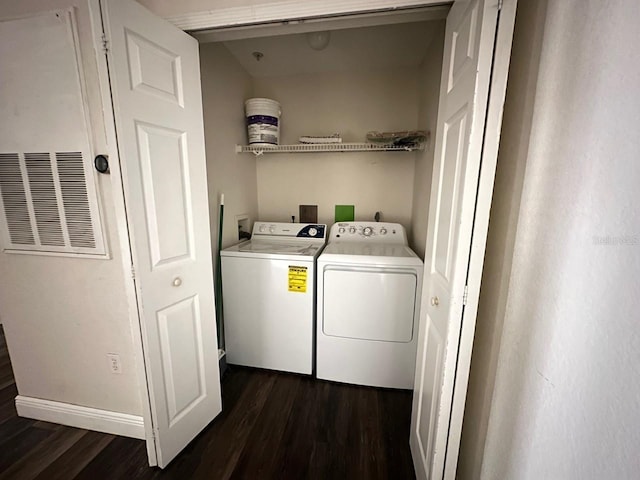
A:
(81, 417)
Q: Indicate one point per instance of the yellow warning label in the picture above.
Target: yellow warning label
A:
(298, 279)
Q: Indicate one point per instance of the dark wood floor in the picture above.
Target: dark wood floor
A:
(273, 426)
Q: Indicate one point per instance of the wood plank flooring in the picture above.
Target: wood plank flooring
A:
(273, 426)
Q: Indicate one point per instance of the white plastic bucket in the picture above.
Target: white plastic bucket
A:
(263, 121)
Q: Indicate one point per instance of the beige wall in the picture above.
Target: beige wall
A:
(350, 104)
(63, 315)
(565, 398)
(428, 94)
(225, 86)
(514, 145)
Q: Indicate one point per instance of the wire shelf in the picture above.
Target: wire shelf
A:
(327, 147)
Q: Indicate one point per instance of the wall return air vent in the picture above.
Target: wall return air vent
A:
(48, 204)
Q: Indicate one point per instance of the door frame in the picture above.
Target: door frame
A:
(287, 10)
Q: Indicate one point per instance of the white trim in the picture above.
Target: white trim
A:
(286, 10)
(97, 256)
(354, 20)
(98, 216)
(81, 417)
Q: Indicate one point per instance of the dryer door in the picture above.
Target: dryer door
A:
(369, 304)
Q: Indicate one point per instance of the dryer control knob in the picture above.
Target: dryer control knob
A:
(367, 231)
(272, 228)
(383, 231)
(352, 229)
(341, 230)
(262, 228)
(313, 232)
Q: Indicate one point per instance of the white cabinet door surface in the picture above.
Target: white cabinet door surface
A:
(460, 172)
(154, 73)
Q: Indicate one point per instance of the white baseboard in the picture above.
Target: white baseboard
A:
(81, 417)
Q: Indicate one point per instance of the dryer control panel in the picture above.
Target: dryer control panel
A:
(375, 232)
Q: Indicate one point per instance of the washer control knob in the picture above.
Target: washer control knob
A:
(313, 232)
(383, 231)
(352, 229)
(341, 230)
(272, 229)
(367, 231)
(262, 228)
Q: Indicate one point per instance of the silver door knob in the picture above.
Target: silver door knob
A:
(177, 282)
(435, 301)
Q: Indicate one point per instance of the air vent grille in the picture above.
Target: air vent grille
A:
(43, 195)
(75, 199)
(14, 200)
(47, 203)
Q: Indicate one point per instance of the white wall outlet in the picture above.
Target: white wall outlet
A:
(114, 363)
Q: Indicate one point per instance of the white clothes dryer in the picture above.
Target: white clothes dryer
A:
(268, 291)
(369, 286)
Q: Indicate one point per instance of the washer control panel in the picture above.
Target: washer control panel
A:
(292, 230)
(377, 232)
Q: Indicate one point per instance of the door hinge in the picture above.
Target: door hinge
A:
(500, 5)
(465, 295)
(133, 272)
(105, 43)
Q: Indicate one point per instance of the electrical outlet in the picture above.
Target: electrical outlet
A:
(114, 363)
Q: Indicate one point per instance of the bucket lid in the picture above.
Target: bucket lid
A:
(259, 100)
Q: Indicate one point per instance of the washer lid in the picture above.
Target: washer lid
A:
(263, 248)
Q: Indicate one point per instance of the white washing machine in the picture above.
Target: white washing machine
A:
(369, 285)
(268, 291)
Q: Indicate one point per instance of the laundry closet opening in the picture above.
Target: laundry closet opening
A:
(376, 73)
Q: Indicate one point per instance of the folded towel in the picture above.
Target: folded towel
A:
(335, 138)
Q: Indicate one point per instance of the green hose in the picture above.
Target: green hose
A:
(218, 280)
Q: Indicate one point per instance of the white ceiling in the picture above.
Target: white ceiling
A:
(377, 47)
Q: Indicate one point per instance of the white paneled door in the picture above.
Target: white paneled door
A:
(155, 85)
(460, 139)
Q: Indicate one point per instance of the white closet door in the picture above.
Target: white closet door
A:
(464, 96)
(155, 81)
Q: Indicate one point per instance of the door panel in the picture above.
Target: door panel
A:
(165, 173)
(155, 85)
(467, 64)
(449, 192)
(154, 69)
(369, 304)
(463, 46)
(432, 367)
(179, 326)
